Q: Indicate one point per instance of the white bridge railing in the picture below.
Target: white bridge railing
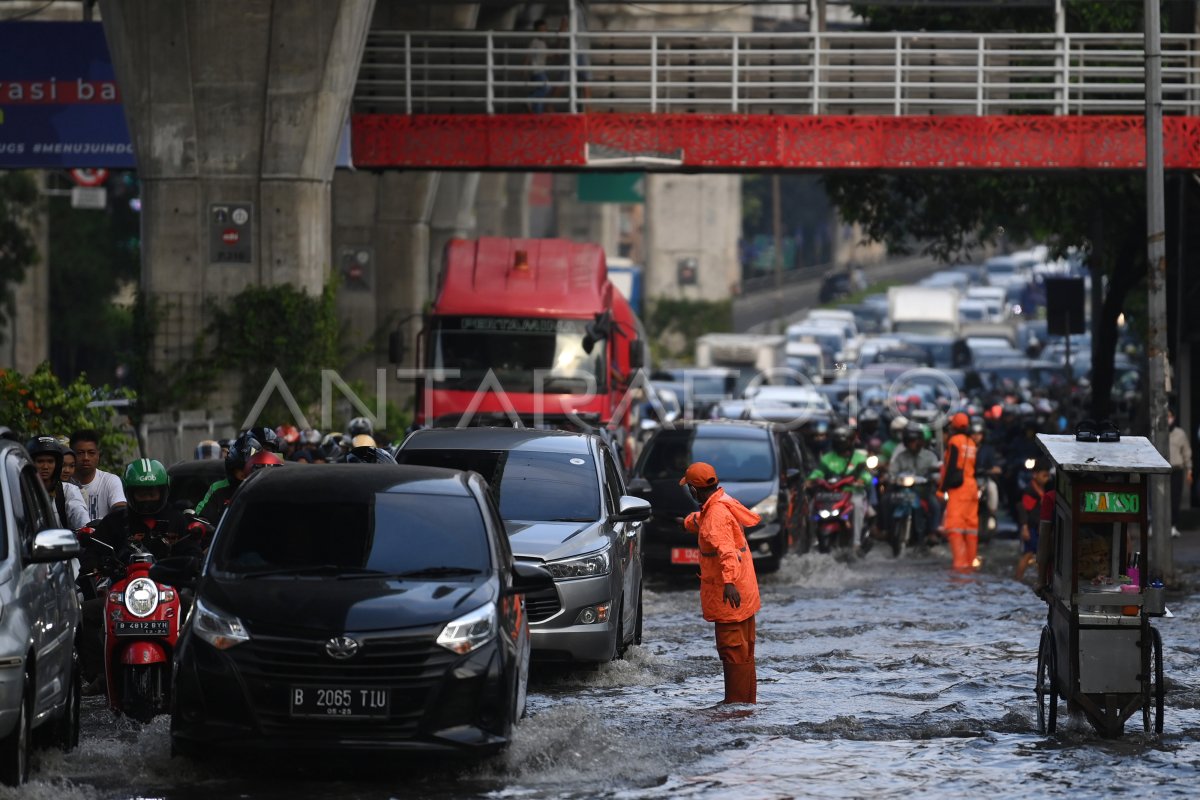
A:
(419, 72)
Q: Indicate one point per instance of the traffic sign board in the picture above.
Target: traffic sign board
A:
(89, 177)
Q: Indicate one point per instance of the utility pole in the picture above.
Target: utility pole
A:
(1156, 257)
(777, 224)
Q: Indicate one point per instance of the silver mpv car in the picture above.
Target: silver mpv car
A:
(39, 665)
(563, 502)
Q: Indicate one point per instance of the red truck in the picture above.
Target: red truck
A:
(530, 329)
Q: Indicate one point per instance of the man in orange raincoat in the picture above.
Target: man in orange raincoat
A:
(728, 586)
(961, 521)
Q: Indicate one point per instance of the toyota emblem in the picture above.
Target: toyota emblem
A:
(341, 647)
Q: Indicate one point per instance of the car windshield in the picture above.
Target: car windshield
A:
(527, 485)
(740, 460)
(393, 534)
(520, 352)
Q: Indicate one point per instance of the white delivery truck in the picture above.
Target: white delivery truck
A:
(750, 353)
(924, 310)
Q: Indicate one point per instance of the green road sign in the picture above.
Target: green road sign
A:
(612, 187)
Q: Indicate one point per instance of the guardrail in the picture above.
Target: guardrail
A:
(416, 72)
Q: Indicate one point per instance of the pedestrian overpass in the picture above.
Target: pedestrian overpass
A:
(752, 101)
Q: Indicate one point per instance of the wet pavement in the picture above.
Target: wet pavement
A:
(877, 678)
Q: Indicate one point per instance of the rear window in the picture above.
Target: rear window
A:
(527, 485)
(735, 460)
(394, 534)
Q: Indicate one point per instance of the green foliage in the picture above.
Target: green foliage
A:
(264, 328)
(182, 384)
(674, 325)
(40, 405)
(1092, 16)
(18, 204)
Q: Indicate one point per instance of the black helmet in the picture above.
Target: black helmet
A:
(266, 437)
(913, 432)
(332, 447)
(47, 446)
(359, 426)
(367, 455)
(841, 438)
(240, 452)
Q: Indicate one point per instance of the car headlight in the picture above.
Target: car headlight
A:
(590, 566)
(217, 628)
(470, 631)
(141, 597)
(768, 509)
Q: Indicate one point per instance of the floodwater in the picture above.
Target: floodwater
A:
(878, 678)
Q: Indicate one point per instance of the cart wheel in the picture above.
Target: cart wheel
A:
(1047, 691)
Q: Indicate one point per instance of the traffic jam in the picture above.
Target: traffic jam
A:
(881, 552)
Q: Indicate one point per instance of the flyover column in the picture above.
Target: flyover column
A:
(235, 109)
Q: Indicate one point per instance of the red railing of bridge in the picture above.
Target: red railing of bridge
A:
(722, 142)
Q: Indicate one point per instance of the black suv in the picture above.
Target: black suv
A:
(757, 463)
(354, 607)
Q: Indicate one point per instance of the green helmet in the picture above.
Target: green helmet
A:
(146, 473)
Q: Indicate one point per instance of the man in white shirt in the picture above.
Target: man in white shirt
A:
(102, 491)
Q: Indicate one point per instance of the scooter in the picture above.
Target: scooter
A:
(907, 500)
(833, 508)
(142, 619)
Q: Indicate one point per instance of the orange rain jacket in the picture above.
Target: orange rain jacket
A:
(725, 557)
(962, 504)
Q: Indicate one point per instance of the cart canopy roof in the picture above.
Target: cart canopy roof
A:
(1131, 454)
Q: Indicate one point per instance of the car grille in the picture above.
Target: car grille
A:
(411, 666)
(541, 606)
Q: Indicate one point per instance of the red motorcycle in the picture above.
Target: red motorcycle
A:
(832, 513)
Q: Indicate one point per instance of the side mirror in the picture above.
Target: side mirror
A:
(177, 571)
(637, 354)
(639, 486)
(396, 348)
(529, 578)
(632, 509)
(55, 544)
(589, 343)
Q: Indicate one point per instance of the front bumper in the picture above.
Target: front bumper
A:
(450, 703)
(561, 637)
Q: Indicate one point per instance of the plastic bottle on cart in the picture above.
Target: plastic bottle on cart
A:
(1134, 569)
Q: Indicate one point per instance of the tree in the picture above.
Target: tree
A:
(18, 202)
(957, 213)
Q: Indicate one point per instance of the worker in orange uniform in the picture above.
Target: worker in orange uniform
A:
(728, 586)
(961, 521)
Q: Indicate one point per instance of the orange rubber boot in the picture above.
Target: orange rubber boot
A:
(958, 549)
(971, 542)
(741, 683)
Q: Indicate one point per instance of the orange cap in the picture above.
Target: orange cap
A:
(699, 475)
(960, 420)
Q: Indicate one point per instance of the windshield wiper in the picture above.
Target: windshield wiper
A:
(315, 569)
(432, 572)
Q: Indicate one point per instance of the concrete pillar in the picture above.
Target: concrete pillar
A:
(453, 216)
(696, 217)
(233, 101)
(26, 336)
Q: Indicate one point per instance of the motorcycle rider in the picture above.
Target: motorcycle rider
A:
(147, 522)
(914, 458)
(47, 455)
(207, 450)
(841, 461)
(219, 495)
(360, 426)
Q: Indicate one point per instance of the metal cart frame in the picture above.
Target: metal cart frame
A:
(1098, 650)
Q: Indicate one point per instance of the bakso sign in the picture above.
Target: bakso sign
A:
(1111, 502)
(518, 325)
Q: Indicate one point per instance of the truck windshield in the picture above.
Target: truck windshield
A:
(519, 351)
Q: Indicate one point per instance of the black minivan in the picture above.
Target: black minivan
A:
(355, 607)
(758, 463)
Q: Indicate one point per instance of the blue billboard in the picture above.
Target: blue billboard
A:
(59, 102)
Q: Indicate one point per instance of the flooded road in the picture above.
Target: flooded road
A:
(877, 678)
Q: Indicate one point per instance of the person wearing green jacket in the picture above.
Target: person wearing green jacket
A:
(841, 461)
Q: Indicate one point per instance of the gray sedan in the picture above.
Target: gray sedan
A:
(563, 501)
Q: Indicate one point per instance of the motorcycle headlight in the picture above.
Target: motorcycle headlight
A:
(823, 513)
(872, 462)
(768, 509)
(141, 597)
(908, 481)
(1030, 463)
(470, 631)
(219, 629)
(834, 512)
(589, 566)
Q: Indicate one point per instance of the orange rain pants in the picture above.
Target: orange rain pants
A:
(735, 646)
(961, 521)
